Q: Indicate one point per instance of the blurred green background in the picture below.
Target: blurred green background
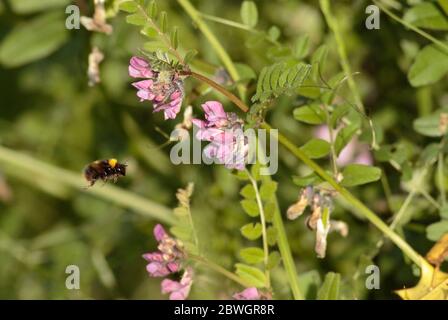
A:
(48, 112)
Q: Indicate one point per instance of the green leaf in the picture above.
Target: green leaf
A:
(150, 32)
(163, 22)
(338, 113)
(309, 282)
(250, 207)
(241, 175)
(280, 78)
(436, 230)
(271, 235)
(428, 125)
(357, 174)
(330, 288)
(253, 276)
(32, 6)
(269, 210)
(128, 6)
(189, 56)
(174, 38)
(251, 231)
(274, 33)
(318, 61)
(24, 44)
(252, 255)
(311, 114)
(344, 136)
(268, 189)
(307, 180)
(426, 15)
(182, 232)
(444, 212)
(245, 71)
(136, 19)
(444, 5)
(316, 148)
(430, 65)
(249, 13)
(302, 47)
(152, 9)
(248, 192)
(273, 260)
(255, 171)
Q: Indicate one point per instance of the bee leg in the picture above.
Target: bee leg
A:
(90, 185)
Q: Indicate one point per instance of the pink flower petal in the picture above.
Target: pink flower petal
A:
(248, 294)
(214, 112)
(157, 269)
(170, 286)
(159, 232)
(143, 84)
(153, 256)
(139, 68)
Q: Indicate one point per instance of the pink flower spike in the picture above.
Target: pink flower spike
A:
(164, 88)
(248, 294)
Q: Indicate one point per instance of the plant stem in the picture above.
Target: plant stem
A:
(227, 22)
(214, 42)
(263, 229)
(17, 162)
(221, 89)
(430, 199)
(358, 205)
(334, 26)
(396, 220)
(219, 269)
(441, 178)
(283, 243)
(237, 25)
(332, 149)
(424, 34)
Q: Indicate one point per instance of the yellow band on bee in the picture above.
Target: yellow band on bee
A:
(112, 162)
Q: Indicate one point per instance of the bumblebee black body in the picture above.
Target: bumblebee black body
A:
(104, 170)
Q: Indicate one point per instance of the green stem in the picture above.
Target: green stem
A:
(430, 199)
(358, 205)
(424, 34)
(219, 88)
(16, 162)
(441, 177)
(214, 42)
(387, 191)
(283, 244)
(237, 25)
(332, 147)
(263, 229)
(227, 22)
(396, 220)
(219, 269)
(334, 26)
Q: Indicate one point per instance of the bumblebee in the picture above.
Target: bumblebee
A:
(104, 170)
